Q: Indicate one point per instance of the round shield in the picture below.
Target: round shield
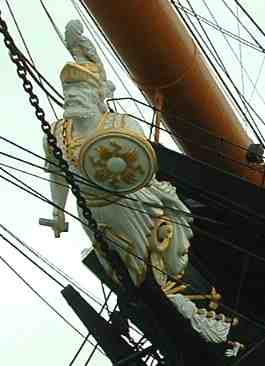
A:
(118, 160)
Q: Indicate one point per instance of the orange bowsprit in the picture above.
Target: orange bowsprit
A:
(162, 56)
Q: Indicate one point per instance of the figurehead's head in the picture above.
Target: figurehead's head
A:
(83, 90)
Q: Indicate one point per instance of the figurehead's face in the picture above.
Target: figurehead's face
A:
(80, 99)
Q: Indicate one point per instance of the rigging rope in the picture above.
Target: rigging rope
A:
(88, 335)
(59, 34)
(257, 78)
(91, 222)
(248, 352)
(213, 237)
(60, 104)
(218, 59)
(241, 57)
(28, 52)
(219, 62)
(203, 218)
(51, 265)
(234, 53)
(242, 24)
(230, 34)
(229, 202)
(42, 298)
(63, 275)
(250, 17)
(56, 269)
(86, 182)
(88, 27)
(32, 261)
(240, 53)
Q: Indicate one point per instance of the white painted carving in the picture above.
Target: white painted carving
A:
(131, 221)
(149, 223)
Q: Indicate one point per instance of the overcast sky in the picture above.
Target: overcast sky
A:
(30, 333)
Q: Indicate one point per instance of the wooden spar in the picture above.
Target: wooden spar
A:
(163, 58)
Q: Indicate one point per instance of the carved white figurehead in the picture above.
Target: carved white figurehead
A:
(148, 220)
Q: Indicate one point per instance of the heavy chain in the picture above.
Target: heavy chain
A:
(16, 58)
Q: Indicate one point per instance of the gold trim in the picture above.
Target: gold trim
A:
(156, 243)
(102, 121)
(75, 148)
(122, 133)
(172, 288)
(81, 72)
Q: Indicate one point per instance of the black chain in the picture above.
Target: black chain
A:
(99, 236)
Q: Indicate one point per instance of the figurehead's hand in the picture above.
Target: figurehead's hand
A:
(59, 225)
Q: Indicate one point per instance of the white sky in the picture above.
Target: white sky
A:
(30, 333)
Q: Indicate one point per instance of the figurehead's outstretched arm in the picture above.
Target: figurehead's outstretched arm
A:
(59, 193)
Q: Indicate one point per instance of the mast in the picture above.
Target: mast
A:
(164, 60)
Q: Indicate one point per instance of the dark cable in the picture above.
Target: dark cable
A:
(218, 59)
(44, 300)
(109, 200)
(51, 265)
(240, 55)
(40, 196)
(89, 333)
(250, 17)
(142, 259)
(234, 53)
(220, 240)
(247, 353)
(220, 64)
(34, 175)
(219, 28)
(32, 261)
(85, 21)
(31, 66)
(242, 24)
(244, 270)
(28, 52)
(54, 141)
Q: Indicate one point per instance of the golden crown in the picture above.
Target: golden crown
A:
(81, 72)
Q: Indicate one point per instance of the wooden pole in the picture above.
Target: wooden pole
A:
(161, 55)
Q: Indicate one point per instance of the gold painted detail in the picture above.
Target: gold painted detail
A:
(173, 288)
(103, 171)
(162, 234)
(71, 146)
(114, 159)
(81, 72)
(214, 298)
